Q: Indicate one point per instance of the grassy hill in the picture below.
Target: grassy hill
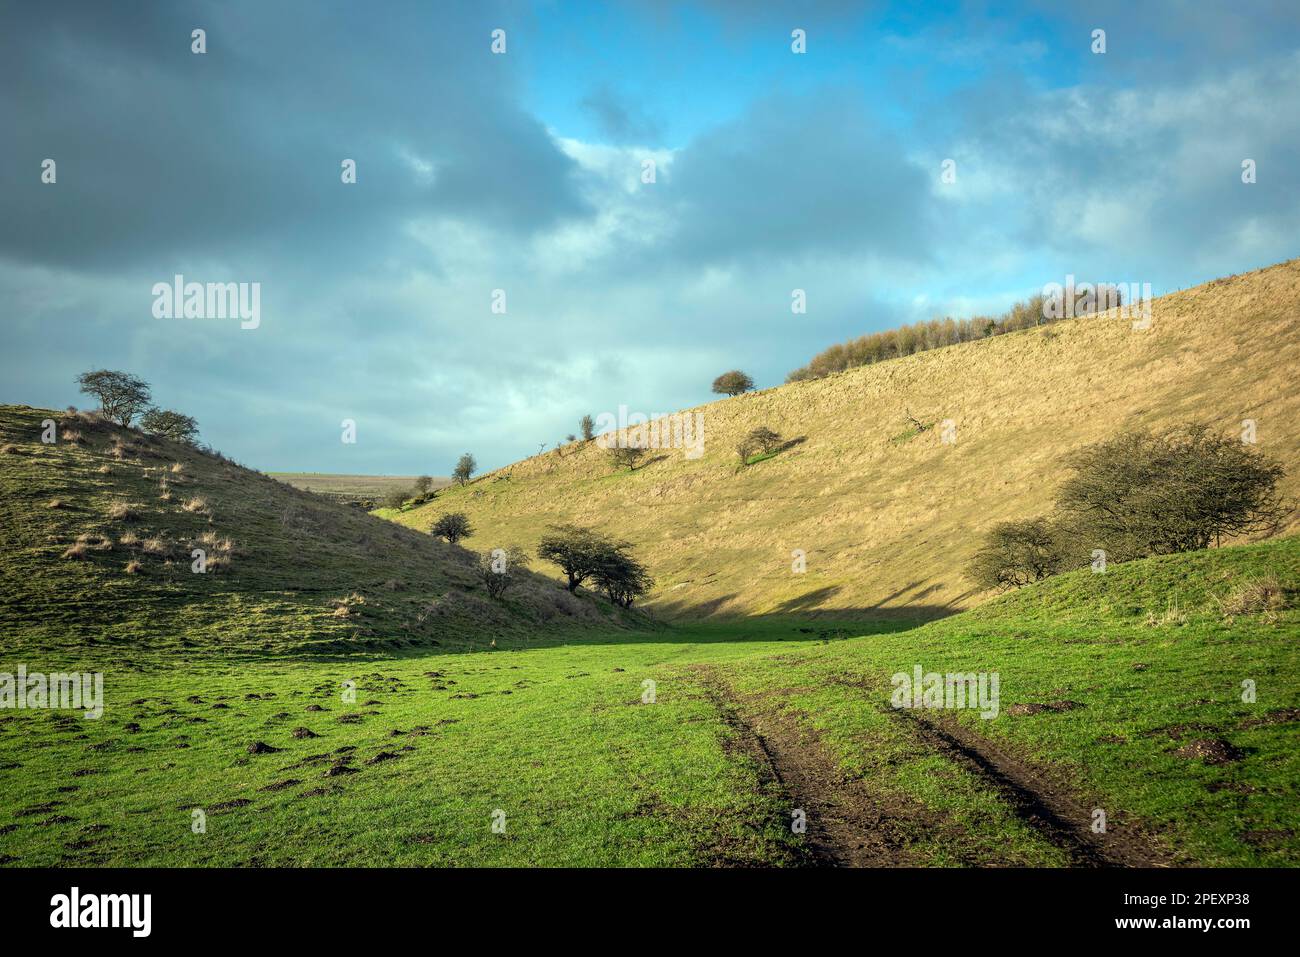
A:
(695, 744)
(887, 515)
(97, 532)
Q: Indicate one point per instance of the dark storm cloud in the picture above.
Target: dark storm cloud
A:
(238, 151)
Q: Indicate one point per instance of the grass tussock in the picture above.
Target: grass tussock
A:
(1173, 614)
(157, 547)
(123, 512)
(349, 606)
(218, 551)
(1262, 596)
(95, 541)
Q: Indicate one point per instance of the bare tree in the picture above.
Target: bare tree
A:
(167, 424)
(626, 456)
(465, 467)
(578, 551)
(121, 395)
(765, 439)
(501, 568)
(1140, 494)
(622, 578)
(916, 423)
(1016, 554)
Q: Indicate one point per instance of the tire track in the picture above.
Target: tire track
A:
(847, 825)
(1052, 811)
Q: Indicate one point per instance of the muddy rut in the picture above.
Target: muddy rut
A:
(1055, 813)
(847, 825)
(850, 825)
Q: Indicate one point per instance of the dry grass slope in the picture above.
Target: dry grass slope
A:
(887, 521)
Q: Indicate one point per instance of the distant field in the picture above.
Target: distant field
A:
(351, 488)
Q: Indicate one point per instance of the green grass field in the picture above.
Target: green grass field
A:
(750, 723)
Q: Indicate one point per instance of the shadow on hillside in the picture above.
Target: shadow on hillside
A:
(902, 604)
(767, 456)
(794, 629)
(683, 613)
(682, 623)
(917, 593)
(809, 600)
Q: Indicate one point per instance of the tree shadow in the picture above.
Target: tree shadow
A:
(804, 601)
(767, 456)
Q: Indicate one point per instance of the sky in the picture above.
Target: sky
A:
(487, 179)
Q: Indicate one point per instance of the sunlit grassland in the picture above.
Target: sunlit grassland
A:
(559, 734)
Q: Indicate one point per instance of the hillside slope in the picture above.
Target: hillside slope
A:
(97, 533)
(888, 517)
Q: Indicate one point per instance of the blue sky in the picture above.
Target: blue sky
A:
(521, 172)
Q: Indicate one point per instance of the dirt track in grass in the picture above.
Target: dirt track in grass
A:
(1050, 808)
(849, 824)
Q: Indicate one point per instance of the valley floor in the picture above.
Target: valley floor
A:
(697, 745)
